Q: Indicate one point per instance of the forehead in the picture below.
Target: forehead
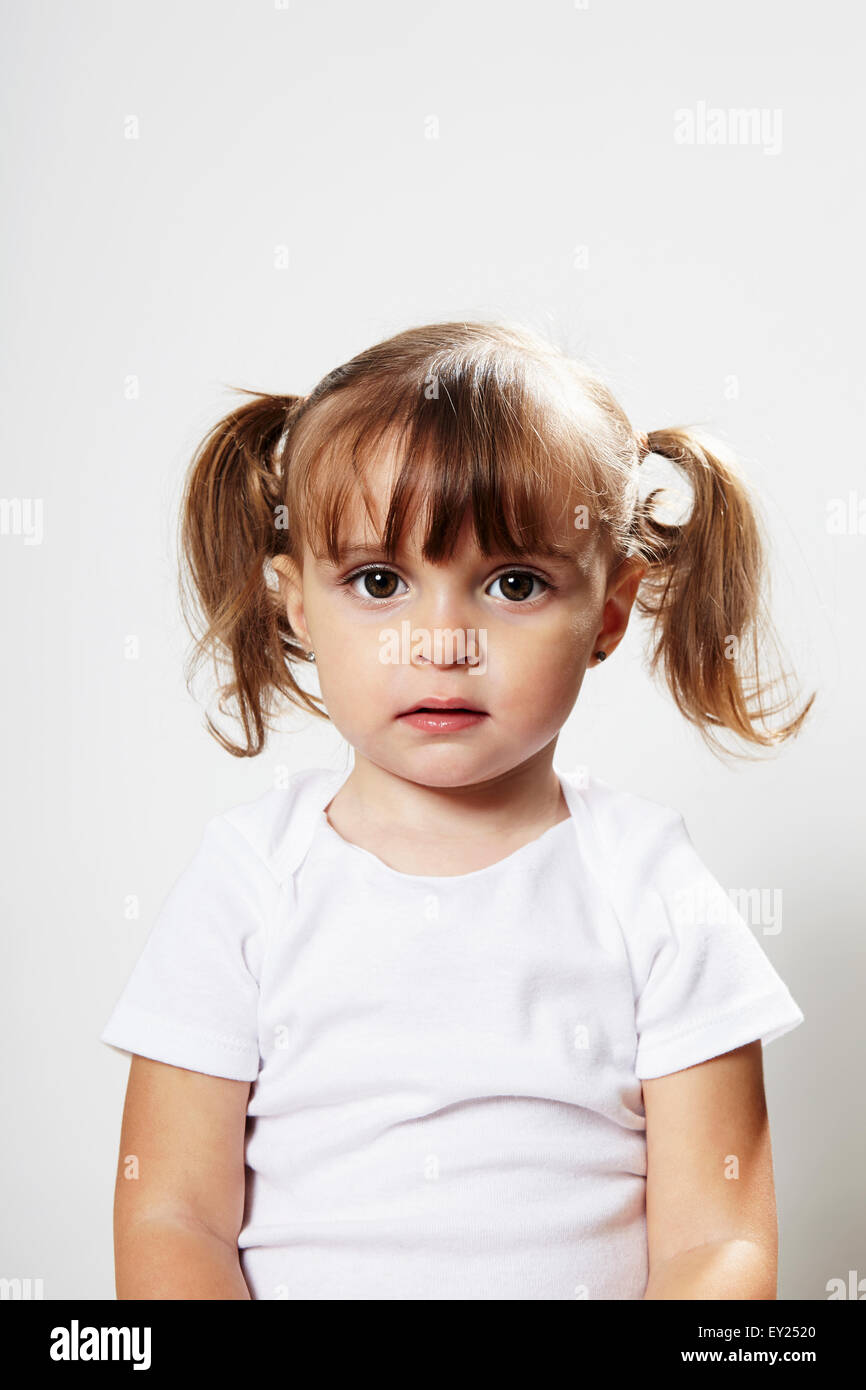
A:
(363, 545)
(448, 504)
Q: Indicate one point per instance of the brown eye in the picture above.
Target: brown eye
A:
(378, 582)
(517, 584)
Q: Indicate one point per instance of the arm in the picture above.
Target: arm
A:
(177, 1222)
(711, 1234)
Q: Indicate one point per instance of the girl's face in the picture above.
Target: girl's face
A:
(510, 637)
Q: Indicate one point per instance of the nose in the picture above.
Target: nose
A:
(442, 628)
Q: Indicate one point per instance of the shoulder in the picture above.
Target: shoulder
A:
(642, 855)
(627, 828)
(272, 831)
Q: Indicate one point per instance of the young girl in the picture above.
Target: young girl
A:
(451, 1023)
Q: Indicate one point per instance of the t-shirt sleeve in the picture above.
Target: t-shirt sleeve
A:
(703, 983)
(192, 998)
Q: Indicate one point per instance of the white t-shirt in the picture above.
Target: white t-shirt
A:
(446, 1098)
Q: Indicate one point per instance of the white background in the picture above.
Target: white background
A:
(156, 259)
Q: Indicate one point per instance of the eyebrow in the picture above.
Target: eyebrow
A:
(551, 549)
(348, 551)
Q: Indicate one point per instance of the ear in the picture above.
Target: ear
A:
(621, 593)
(291, 593)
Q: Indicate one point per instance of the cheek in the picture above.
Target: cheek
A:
(560, 676)
(539, 682)
(555, 653)
(557, 671)
(355, 684)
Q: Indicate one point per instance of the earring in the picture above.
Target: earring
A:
(311, 656)
(601, 656)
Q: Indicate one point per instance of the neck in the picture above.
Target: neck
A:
(525, 798)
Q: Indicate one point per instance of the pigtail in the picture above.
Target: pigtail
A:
(704, 592)
(229, 528)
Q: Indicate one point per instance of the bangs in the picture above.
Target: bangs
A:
(486, 434)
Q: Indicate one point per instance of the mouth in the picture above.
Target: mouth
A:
(432, 705)
(434, 716)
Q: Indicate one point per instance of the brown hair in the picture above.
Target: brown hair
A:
(492, 418)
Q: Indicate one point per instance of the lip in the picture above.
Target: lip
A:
(438, 702)
(443, 721)
(439, 714)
